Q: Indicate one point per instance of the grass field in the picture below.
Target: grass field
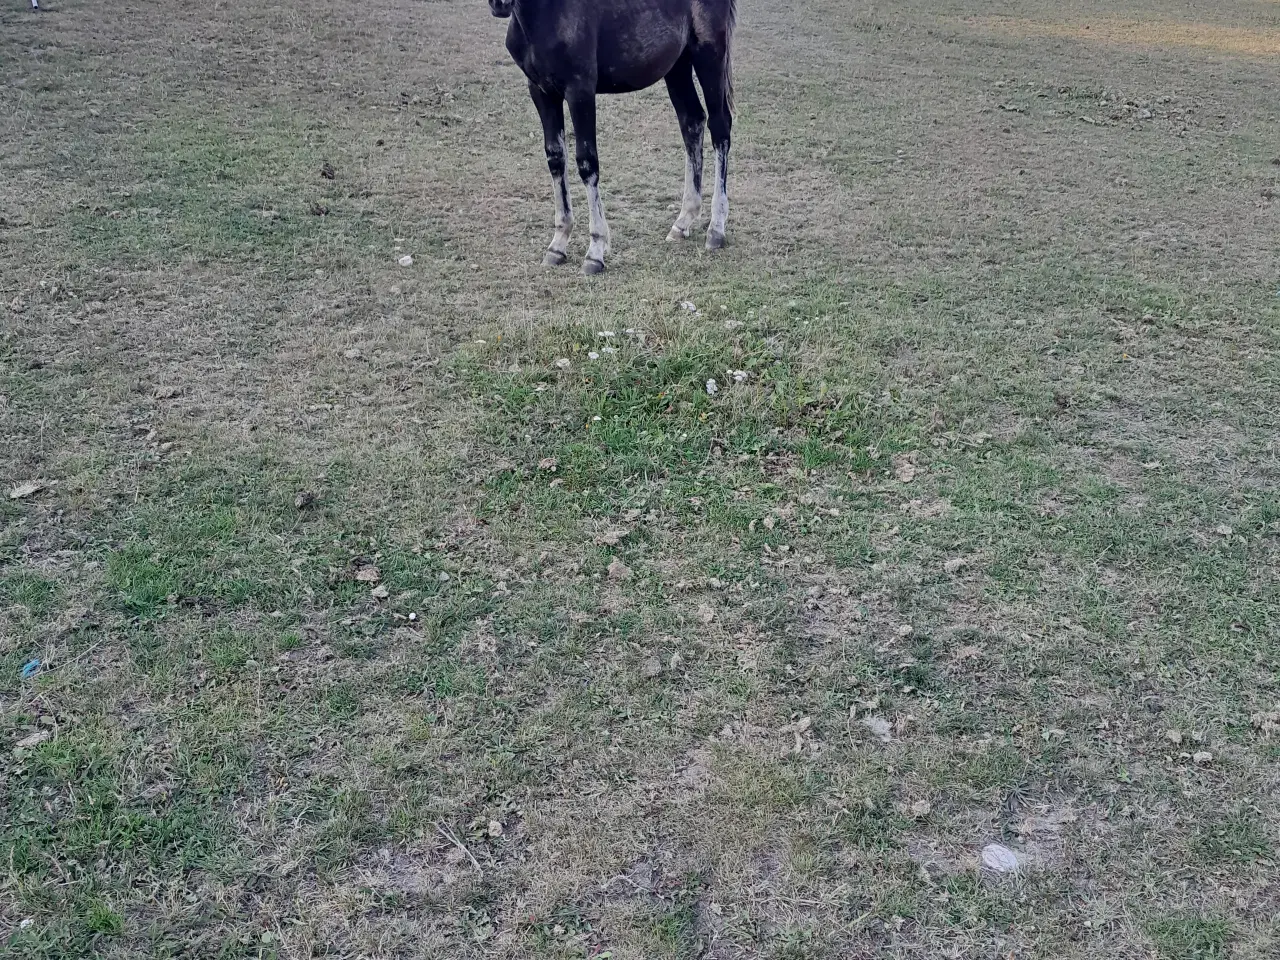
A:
(440, 611)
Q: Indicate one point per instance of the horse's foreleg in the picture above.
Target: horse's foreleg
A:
(582, 107)
(693, 123)
(551, 112)
(710, 63)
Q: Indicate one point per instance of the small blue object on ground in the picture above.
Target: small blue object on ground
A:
(29, 670)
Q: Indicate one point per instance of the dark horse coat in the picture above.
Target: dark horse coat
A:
(572, 50)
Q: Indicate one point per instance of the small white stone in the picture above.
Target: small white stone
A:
(998, 857)
(712, 388)
(405, 261)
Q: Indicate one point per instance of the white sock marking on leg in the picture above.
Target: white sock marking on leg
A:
(564, 209)
(691, 206)
(599, 248)
(720, 195)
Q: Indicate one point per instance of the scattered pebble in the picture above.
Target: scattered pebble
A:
(689, 305)
(712, 388)
(593, 355)
(563, 363)
(1202, 757)
(405, 261)
(998, 857)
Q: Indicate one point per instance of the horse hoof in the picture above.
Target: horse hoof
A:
(715, 241)
(591, 267)
(677, 234)
(554, 258)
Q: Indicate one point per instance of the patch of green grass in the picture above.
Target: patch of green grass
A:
(26, 588)
(973, 904)
(675, 926)
(69, 801)
(1000, 765)
(143, 582)
(1240, 836)
(350, 826)
(342, 702)
(1189, 937)
(212, 189)
(101, 919)
(799, 943)
(615, 431)
(871, 824)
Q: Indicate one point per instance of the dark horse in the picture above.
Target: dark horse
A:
(574, 49)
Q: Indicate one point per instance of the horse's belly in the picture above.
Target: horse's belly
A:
(639, 54)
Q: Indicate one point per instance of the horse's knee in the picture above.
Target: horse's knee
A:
(555, 158)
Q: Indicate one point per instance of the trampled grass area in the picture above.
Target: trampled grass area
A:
(445, 611)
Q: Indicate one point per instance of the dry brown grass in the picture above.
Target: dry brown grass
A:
(1161, 34)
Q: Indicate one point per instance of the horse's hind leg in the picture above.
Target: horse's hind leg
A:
(693, 123)
(551, 112)
(582, 108)
(712, 63)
